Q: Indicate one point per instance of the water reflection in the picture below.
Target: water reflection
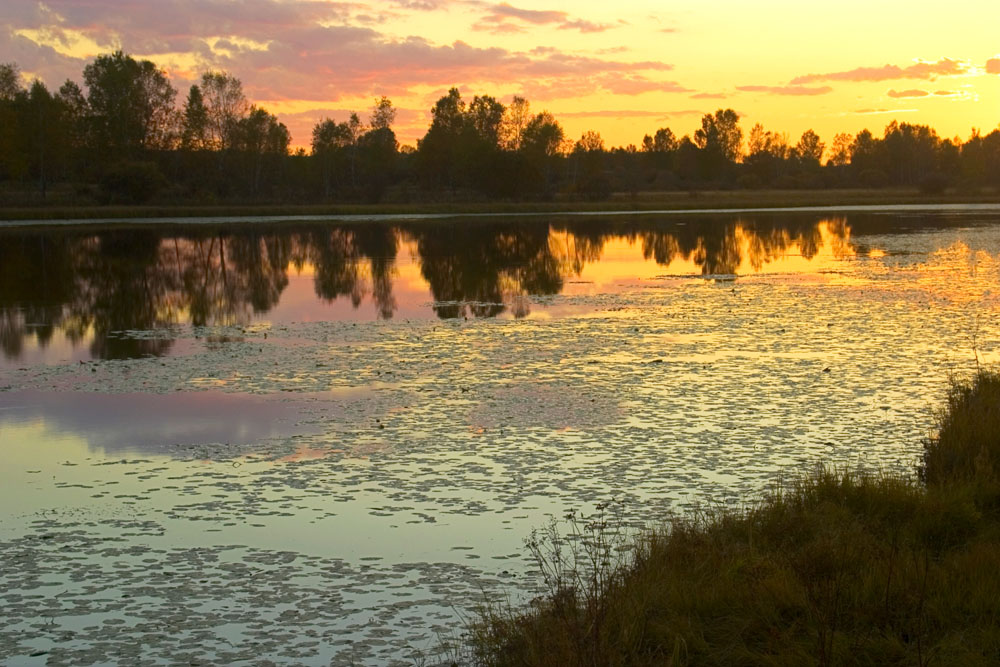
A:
(340, 256)
(477, 270)
(741, 246)
(88, 286)
(156, 423)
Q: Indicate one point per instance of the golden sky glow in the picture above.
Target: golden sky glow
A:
(623, 69)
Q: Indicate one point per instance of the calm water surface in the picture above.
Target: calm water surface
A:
(314, 443)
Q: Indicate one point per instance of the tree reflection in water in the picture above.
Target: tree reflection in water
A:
(90, 285)
(339, 256)
(478, 269)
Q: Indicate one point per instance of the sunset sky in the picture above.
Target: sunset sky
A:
(622, 68)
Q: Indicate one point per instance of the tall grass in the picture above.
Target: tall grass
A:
(966, 450)
(836, 567)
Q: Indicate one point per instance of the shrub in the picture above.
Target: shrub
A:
(933, 184)
(131, 183)
(873, 178)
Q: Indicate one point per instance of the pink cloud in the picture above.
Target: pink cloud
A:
(529, 15)
(636, 85)
(326, 63)
(42, 61)
(498, 20)
(499, 27)
(307, 53)
(566, 77)
(993, 66)
(786, 90)
(913, 92)
(920, 70)
(177, 25)
(709, 96)
(585, 26)
(565, 64)
(421, 5)
(872, 112)
(308, 50)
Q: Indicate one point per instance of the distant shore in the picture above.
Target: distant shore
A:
(651, 202)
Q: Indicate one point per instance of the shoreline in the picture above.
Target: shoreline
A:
(704, 203)
(834, 566)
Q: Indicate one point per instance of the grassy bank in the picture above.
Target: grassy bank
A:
(643, 201)
(834, 568)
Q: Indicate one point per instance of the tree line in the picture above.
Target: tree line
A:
(123, 137)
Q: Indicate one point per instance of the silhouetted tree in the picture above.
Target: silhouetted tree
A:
(483, 119)
(225, 107)
(535, 160)
(911, 151)
(438, 151)
(78, 128)
(383, 114)
(542, 136)
(195, 124)
(720, 139)
(809, 149)
(767, 156)
(588, 165)
(480, 142)
(377, 150)
(262, 141)
(515, 122)
(329, 140)
(46, 136)
(12, 159)
(131, 105)
(866, 163)
(10, 82)
(686, 162)
(840, 151)
(662, 141)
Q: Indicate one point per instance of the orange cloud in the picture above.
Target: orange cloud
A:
(993, 66)
(898, 94)
(920, 70)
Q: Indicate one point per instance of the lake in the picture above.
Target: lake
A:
(317, 442)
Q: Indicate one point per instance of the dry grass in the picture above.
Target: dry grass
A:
(838, 567)
(642, 201)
